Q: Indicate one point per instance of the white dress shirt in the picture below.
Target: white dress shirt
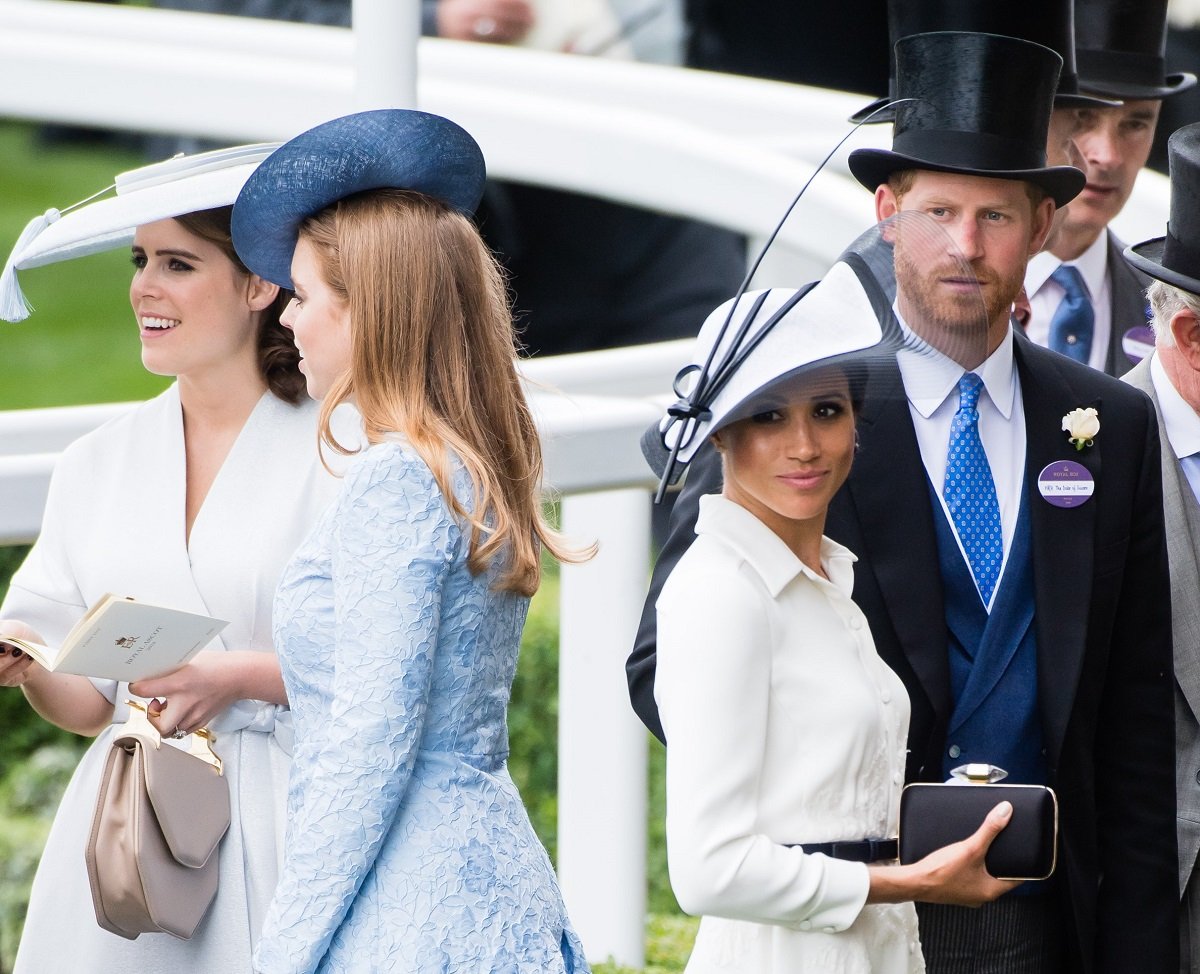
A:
(785, 727)
(931, 384)
(1181, 423)
(1045, 296)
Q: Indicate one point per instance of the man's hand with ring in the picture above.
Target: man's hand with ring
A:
(494, 21)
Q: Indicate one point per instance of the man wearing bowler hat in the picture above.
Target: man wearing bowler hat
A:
(1170, 376)
(1029, 635)
(1085, 300)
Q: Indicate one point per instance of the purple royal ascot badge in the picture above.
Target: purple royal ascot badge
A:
(1065, 483)
(1137, 343)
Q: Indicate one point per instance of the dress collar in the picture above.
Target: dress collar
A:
(1180, 420)
(1092, 264)
(765, 552)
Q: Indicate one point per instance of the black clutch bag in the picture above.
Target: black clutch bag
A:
(935, 815)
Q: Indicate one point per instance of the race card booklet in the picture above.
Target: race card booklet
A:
(122, 639)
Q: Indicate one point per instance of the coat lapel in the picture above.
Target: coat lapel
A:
(1182, 517)
(1129, 309)
(1063, 538)
(1006, 627)
(898, 536)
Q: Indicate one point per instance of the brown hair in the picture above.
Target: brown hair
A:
(278, 359)
(901, 181)
(432, 358)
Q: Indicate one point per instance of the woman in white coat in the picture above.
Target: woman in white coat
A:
(195, 500)
(787, 731)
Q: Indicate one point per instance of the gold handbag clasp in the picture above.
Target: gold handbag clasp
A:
(200, 741)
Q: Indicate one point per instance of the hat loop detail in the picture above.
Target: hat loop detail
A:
(14, 306)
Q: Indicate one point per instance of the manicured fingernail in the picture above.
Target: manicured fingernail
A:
(16, 653)
(3, 650)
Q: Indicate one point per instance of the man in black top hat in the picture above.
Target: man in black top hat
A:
(1171, 377)
(1072, 687)
(1085, 301)
(1051, 24)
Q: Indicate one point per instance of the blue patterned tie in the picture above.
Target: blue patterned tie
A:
(1074, 320)
(970, 492)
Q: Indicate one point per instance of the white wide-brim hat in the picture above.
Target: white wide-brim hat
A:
(176, 187)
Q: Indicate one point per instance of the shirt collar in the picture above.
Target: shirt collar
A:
(929, 376)
(765, 552)
(1180, 420)
(1092, 264)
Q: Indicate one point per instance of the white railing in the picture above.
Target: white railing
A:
(731, 151)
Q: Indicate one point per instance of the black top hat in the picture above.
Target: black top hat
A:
(1175, 258)
(1119, 47)
(979, 104)
(1046, 22)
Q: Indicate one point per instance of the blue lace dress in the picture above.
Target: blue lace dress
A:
(407, 845)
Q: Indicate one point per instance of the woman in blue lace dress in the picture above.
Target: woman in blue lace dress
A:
(399, 619)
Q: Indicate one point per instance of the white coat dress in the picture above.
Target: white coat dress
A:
(115, 522)
(783, 727)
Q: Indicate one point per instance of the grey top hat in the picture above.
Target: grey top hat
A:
(1175, 258)
(1120, 47)
(978, 104)
(1050, 23)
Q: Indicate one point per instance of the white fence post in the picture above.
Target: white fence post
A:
(385, 53)
(602, 748)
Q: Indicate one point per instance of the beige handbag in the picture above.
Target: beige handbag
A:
(160, 815)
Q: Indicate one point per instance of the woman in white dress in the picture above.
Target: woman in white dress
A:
(195, 500)
(785, 727)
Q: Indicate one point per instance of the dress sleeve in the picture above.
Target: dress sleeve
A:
(44, 592)
(714, 691)
(392, 543)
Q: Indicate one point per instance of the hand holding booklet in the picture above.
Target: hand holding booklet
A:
(121, 639)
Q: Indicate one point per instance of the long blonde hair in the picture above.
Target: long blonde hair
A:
(432, 359)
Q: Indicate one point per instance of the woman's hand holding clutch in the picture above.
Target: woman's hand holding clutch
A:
(955, 874)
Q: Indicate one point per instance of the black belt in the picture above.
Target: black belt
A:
(856, 850)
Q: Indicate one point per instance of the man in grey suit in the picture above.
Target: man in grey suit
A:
(1171, 378)
(1085, 301)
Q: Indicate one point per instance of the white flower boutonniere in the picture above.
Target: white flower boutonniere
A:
(1081, 426)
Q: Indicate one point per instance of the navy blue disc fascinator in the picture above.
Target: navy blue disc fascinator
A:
(390, 148)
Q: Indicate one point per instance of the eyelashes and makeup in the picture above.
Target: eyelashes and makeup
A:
(827, 409)
(139, 260)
